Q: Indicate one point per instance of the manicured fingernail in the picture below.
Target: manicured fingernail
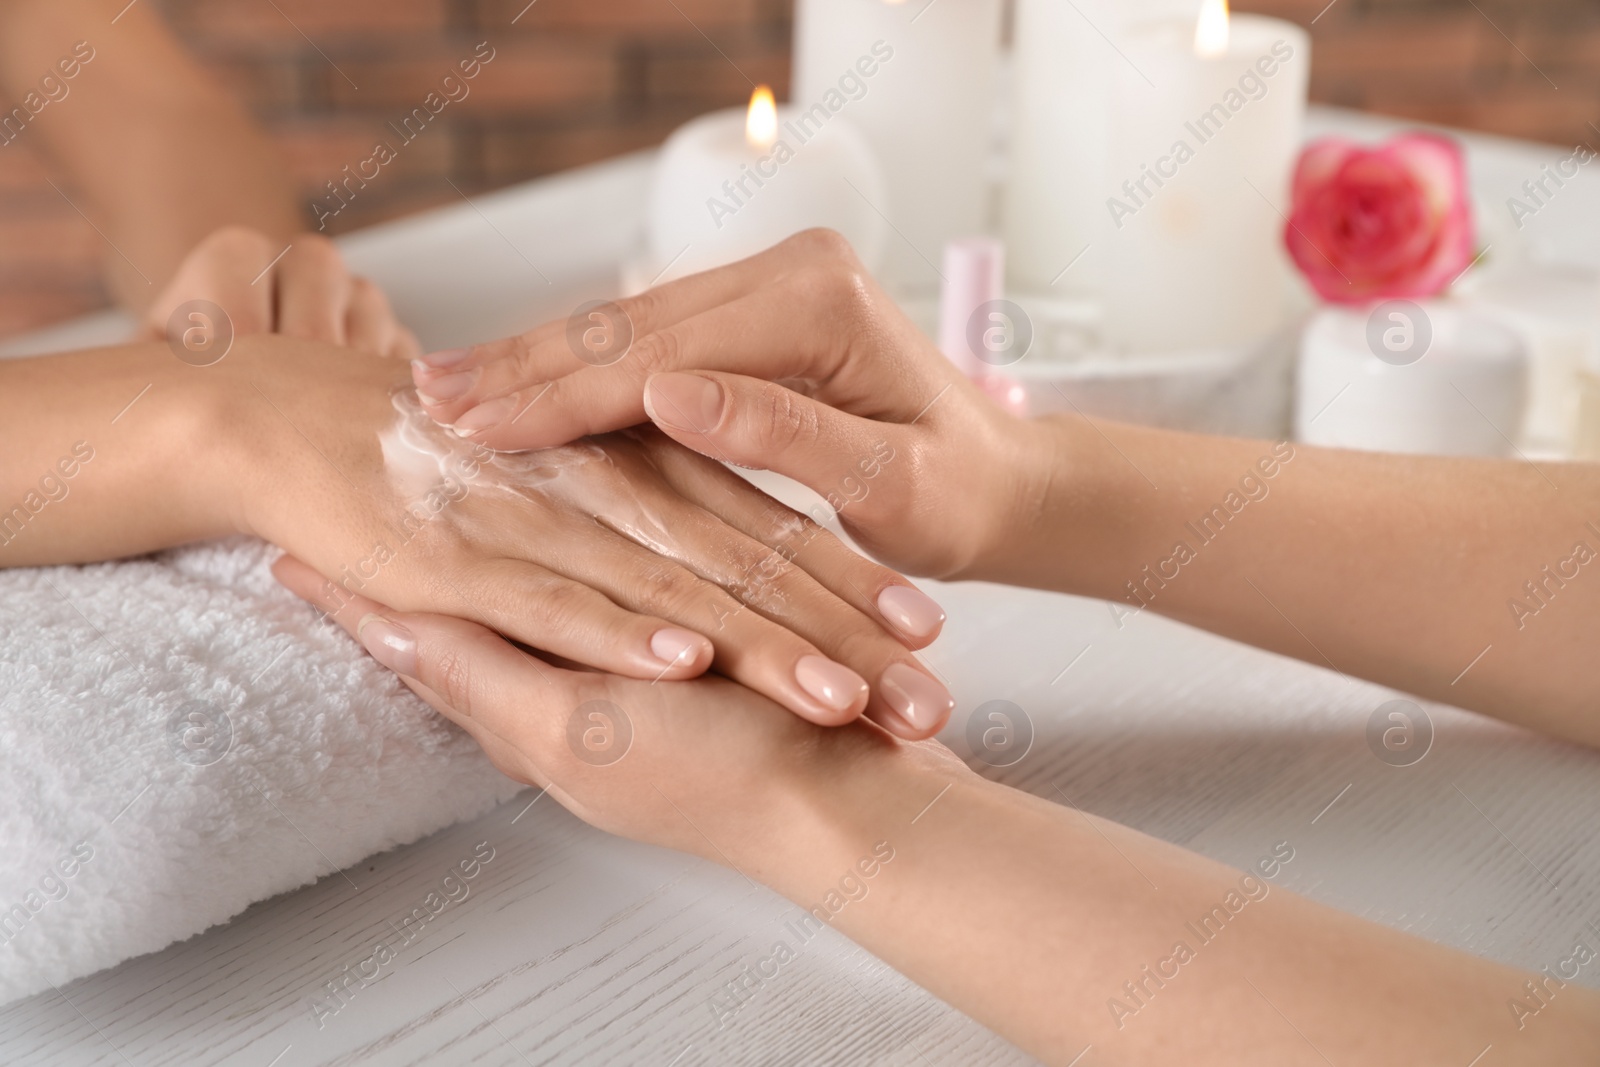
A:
(676, 648)
(389, 643)
(834, 685)
(447, 358)
(684, 401)
(911, 611)
(920, 700)
(438, 390)
(487, 414)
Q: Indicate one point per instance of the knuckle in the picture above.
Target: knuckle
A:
(823, 245)
(783, 420)
(318, 251)
(236, 239)
(657, 351)
(668, 588)
(451, 676)
(556, 604)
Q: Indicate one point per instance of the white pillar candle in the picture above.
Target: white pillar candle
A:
(927, 109)
(1061, 73)
(734, 182)
(1205, 129)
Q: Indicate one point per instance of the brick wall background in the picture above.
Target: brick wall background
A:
(579, 80)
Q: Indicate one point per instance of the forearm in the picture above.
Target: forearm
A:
(1413, 572)
(161, 153)
(107, 454)
(1047, 925)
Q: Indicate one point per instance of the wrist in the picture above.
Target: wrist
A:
(1027, 496)
(288, 423)
(844, 808)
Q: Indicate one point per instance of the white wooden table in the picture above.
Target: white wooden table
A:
(575, 947)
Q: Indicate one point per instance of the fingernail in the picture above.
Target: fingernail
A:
(684, 401)
(485, 415)
(834, 685)
(447, 358)
(389, 643)
(911, 611)
(675, 647)
(920, 700)
(448, 387)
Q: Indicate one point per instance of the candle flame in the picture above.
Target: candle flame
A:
(1211, 32)
(761, 121)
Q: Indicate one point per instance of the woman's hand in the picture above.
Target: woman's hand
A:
(704, 766)
(627, 553)
(922, 468)
(301, 288)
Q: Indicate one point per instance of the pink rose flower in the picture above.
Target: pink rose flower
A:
(1380, 223)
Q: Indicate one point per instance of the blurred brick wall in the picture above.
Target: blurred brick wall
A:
(579, 80)
(1523, 68)
(572, 81)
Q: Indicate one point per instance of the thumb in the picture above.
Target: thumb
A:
(754, 423)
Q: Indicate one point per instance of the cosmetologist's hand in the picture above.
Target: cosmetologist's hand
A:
(923, 469)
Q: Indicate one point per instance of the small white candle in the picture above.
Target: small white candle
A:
(734, 182)
(1432, 378)
(1205, 129)
(927, 107)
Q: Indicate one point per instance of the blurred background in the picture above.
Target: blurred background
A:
(576, 81)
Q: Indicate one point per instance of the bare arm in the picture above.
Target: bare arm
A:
(1471, 582)
(162, 154)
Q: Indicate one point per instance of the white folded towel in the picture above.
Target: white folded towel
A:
(181, 737)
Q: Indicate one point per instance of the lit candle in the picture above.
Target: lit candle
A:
(1205, 128)
(733, 182)
(918, 79)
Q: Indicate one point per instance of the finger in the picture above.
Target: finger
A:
(806, 323)
(369, 321)
(313, 290)
(904, 697)
(776, 627)
(464, 671)
(573, 620)
(225, 268)
(847, 460)
(871, 588)
(755, 651)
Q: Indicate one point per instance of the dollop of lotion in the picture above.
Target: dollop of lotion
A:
(425, 461)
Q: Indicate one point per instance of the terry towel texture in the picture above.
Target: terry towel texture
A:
(182, 737)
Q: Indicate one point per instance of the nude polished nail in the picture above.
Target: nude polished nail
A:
(676, 648)
(833, 685)
(920, 700)
(911, 611)
(449, 357)
(448, 387)
(488, 414)
(684, 401)
(389, 643)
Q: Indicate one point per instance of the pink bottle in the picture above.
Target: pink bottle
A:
(977, 325)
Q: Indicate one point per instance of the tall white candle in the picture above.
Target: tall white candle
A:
(1205, 129)
(927, 110)
(734, 182)
(1061, 78)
